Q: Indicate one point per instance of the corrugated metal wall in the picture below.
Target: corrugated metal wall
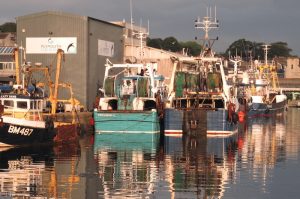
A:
(57, 24)
(161, 57)
(83, 69)
(100, 30)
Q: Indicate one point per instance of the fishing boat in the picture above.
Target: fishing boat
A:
(199, 84)
(131, 102)
(263, 94)
(24, 121)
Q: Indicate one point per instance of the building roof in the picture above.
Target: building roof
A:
(3, 35)
(6, 54)
(38, 14)
(64, 14)
(7, 50)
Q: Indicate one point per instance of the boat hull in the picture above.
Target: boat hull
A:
(218, 124)
(129, 141)
(215, 122)
(145, 122)
(266, 110)
(173, 122)
(14, 134)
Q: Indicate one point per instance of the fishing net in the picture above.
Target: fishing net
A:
(143, 87)
(109, 86)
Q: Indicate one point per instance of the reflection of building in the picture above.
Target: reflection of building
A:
(23, 178)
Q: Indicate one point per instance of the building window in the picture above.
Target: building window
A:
(292, 66)
(7, 66)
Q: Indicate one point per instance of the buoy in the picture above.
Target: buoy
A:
(241, 115)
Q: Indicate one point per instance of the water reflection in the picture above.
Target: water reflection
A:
(202, 167)
(126, 168)
(21, 174)
(264, 146)
(249, 164)
(40, 171)
(192, 166)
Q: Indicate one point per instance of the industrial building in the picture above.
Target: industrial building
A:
(7, 64)
(87, 43)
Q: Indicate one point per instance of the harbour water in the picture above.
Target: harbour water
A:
(261, 160)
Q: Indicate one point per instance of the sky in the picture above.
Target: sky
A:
(266, 21)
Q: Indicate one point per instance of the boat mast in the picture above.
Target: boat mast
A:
(207, 24)
(60, 53)
(16, 55)
(141, 36)
(266, 48)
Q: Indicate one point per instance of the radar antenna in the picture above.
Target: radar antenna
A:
(207, 23)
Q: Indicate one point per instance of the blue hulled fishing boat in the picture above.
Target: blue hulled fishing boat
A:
(199, 84)
(131, 102)
(264, 97)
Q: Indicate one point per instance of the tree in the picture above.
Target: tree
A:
(241, 47)
(171, 44)
(192, 48)
(246, 49)
(279, 49)
(155, 43)
(8, 27)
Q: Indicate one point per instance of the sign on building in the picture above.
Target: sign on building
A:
(50, 45)
(106, 48)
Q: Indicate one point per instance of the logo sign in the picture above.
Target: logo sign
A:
(106, 48)
(50, 45)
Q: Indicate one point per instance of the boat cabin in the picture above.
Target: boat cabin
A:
(135, 87)
(22, 106)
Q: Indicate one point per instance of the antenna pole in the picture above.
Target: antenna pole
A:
(131, 27)
(266, 48)
(207, 24)
(215, 14)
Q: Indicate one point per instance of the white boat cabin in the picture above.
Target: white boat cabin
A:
(22, 106)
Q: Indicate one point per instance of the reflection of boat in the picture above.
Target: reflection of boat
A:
(223, 151)
(43, 171)
(265, 145)
(199, 83)
(126, 166)
(222, 146)
(295, 100)
(131, 101)
(199, 168)
(22, 178)
(22, 171)
(24, 120)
